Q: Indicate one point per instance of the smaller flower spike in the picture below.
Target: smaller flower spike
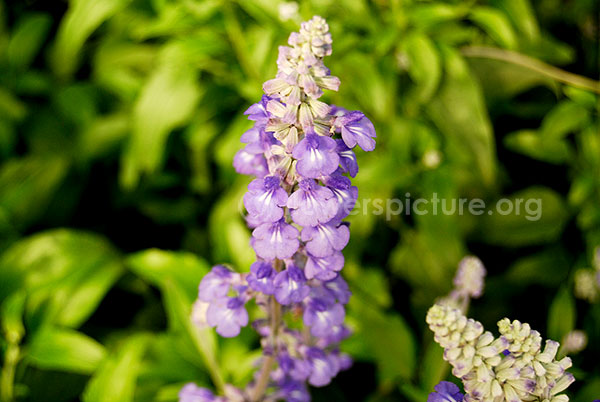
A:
(510, 368)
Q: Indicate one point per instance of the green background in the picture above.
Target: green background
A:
(118, 124)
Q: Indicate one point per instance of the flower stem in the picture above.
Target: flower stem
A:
(265, 371)
(532, 64)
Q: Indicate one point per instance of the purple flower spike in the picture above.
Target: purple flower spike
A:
(215, 284)
(312, 204)
(265, 199)
(322, 369)
(324, 268)
(294, 391)
(228, 315)
(321, 316)
(275, 240)
(298, 369)
(347, 158)
(357, 129)
(261, 277)
(325, 239)
(193, 393)
(316, 156)
(445, 392)
(290, 286)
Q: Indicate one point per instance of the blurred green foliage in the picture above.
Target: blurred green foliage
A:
(118, 124)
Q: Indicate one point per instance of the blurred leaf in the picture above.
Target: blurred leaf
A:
(388, 339)
(562, 314)
(67, 270)
(11, 107)
(65, 349)
(495, 23)
(589, 391)
(424, 64)
(535, 145)
(566, 117)
(459, 112)
(428, 15)
(549, 267)
(28, 37)
(11, 317)
(103, 135)
(521, 15)
(433, 366)
(82, 18)
(541, 218)
(115, 379)
(27, 186)
(166, 102)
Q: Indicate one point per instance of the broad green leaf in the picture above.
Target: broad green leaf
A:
(565, 118)
(103, 135)
(536, 215)
(80, 21)
(115, 379)
(165, 103)
(535, 145)
(562, 315)
(521, 15)
(589, 391)
(11, 108)
(27, 185)
(433, 366)
(67, 271)
(424, 64)
(459, 112)
(425, 16)
(549, 267)
(495, 24)
(64, 350)
(387, 338)
(27, 39)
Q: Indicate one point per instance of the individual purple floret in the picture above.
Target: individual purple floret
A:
(275, 240)
(325, 239)
(323, 268)
(261, 277)
(265, 199)
(312, 204)
(228, 315)
(321, 315)
(300, 152)
(316, 156)
(192, 393)
(290, 285)
(356, 129)
(445, 391)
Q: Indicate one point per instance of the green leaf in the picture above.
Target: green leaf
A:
(533, 144)
(115, 379)
(549, 268)
(565, 118)
(66, 272)
(11, 317)
(521, 15)
(27, 39)
(80, 21)
(459, 112)
(433, 367)
(424, 64)
(538, 216)
(495, 24)
(562, 315)
(27, 186)
(425, 16)
(387, 338)
(165, 103)
(65, 350)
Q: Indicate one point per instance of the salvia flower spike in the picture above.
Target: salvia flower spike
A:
(300, 152)
(516, 366)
